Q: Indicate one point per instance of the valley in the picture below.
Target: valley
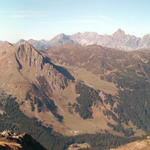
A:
(73, 93)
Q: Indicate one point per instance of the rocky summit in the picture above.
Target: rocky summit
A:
(12, 141)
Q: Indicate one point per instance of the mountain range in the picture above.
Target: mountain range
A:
(118, 40)
(73, 94)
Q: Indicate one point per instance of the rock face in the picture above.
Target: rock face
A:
(33, 64)
(38, 44)
(31, 77)
(60, 40)
(25, 65)
(10, 141)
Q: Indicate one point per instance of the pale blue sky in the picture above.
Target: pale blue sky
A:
(43, 19)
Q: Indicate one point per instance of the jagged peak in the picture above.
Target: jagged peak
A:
(27, 46)
(21, 41)
(26, 51)
(60, 36)
(31, 41)
(26, 43)
(119, 32)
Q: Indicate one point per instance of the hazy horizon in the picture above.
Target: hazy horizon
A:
(71, 34)
(44, 19)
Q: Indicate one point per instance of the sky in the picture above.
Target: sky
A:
(44, 19)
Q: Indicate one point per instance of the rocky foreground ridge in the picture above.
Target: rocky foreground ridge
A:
(11, 141)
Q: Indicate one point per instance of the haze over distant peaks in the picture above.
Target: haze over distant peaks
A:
(118, 40)
(119, 33)
(61, 39)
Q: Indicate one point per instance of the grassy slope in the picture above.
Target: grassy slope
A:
(73, 122)
(92, 80)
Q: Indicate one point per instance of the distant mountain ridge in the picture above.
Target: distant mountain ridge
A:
(118, 40)
(38, 44)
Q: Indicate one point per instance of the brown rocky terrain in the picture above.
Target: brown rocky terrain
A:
(77, 91)
(27, 74)
(96, 59)
(9, 141)
(22, 65)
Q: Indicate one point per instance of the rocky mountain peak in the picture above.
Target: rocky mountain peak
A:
(33, 64)
(119, 33)
(26, 46)
(60, 40)
(27, 53)
(61, 36)
(21, 41)
(118, 40)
